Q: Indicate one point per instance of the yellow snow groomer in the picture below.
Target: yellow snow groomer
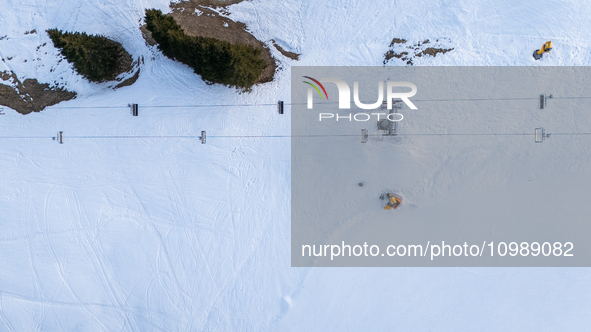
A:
(546, 48)
(393, 202)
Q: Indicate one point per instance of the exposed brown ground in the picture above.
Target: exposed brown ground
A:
(209, 23)
(433, 51)
(129, 81)
(390, 54)
(397, 41)
(416, 50)
(291, 55)
(30, 95)
(148, 36)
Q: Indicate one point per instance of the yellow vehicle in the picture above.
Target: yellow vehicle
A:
(393, 201)
(546, 48)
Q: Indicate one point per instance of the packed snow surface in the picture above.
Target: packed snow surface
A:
(156, 233)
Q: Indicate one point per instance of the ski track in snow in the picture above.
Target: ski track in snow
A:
(166, 234)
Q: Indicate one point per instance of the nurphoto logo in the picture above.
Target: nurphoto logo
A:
(345, 93)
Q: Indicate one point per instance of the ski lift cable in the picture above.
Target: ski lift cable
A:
(283, 136)
(319, 103)
(322, 135)
(23, 137)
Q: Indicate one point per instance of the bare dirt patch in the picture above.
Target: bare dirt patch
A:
(209, 18)
(148, 36)
(407, 52)
(291, 55)
(433, 51)
(390, 54)
(30, 95)
(129, 81)
(397, 41)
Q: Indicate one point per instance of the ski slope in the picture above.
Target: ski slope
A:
(167, 234)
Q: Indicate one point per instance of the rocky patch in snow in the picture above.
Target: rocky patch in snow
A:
(407, 51)
(30, 95)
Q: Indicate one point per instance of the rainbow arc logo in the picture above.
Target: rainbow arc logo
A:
(315, 87)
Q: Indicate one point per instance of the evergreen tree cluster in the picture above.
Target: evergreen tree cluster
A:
(217, 61)
(97, 58)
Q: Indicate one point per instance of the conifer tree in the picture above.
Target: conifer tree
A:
(217, 61)
(97, 58)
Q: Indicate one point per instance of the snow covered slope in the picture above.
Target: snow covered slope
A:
(166, 234)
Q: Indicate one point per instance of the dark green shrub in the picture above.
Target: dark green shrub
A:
(97, 58)
(217, 61)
